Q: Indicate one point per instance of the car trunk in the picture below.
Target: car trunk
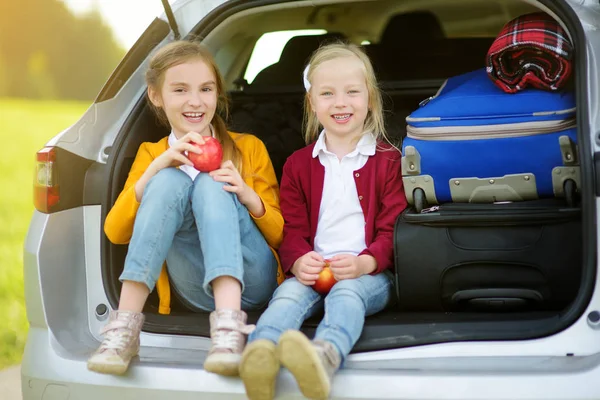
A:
(271, 108)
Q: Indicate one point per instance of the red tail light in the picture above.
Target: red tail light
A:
(46, 193)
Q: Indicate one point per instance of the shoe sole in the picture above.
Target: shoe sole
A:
(258, 369)
(108, 368)
(223, 364)
(298, 354)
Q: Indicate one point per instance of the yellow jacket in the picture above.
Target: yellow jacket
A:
(258, 173)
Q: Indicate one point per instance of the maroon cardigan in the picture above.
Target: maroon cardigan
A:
(381, 195)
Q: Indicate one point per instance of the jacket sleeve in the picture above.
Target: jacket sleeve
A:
(118, 226)
(265, 185)
(294, 206)
(392, 203)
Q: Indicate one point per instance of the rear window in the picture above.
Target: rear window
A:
(269, 47)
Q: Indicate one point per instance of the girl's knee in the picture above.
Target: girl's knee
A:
(167, 185)
(207, 190)
(348, 287)
(204, 183)
(169, 180)
(293, 290)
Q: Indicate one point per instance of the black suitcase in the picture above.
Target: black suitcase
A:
(488, 257)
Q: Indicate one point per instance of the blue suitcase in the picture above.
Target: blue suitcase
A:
(474, 143)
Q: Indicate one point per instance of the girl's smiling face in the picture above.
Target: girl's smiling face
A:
(188, 96)
(339, 96)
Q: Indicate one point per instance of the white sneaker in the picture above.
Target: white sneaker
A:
(121, 343)
(228, 331)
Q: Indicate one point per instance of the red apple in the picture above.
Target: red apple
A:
(211, 156)
(325, 281)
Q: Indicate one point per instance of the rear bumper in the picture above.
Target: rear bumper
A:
(48, 373)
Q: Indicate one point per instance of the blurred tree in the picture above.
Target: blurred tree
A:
(47, 51)
(3, 75)
(39, 81)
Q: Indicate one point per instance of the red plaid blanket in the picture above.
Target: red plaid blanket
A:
(532, 49)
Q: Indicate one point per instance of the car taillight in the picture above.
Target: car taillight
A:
(46, 194)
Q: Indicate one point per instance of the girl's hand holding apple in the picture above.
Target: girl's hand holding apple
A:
(347, 266)
(307, 268)
(175, 156)
(326, 280)
(210, 156)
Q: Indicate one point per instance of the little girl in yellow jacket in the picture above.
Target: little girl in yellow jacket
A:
(217, 231)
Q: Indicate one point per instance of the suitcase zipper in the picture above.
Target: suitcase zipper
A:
(427, 100)
(486, 219)
(489, 131)
(468, 214)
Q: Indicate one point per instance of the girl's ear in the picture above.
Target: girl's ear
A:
(154, 97)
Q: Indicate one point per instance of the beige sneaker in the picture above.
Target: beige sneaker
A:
(259, 368)
(228, 331)
(121, 343)
(312, 363)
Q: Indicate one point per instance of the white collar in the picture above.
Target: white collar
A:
(365, 146)
(172, 138)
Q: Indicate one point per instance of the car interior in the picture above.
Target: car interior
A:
(414, 45)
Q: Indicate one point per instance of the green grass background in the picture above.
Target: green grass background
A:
(25, 126)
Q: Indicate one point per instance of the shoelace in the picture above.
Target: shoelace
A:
(116, 335)
(230, 336)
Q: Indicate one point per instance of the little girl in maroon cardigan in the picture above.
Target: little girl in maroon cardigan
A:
(340, 197)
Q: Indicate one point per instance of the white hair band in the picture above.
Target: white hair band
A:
(305, 77)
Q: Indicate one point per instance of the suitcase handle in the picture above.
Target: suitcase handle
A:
(497, 299)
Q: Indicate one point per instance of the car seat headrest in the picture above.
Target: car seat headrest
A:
(412, 27)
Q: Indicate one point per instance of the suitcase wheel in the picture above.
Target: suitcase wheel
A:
(419, 200)
(570, 188)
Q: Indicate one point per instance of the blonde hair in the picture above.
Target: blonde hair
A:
(374, 121)
(180, 52)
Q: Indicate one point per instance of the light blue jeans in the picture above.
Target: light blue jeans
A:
(203, 232)
(346, 306)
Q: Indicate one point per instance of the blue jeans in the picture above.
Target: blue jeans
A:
(346, 306)
(203, 232)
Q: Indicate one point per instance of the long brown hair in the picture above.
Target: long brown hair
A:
(180, 52)
(374, 122)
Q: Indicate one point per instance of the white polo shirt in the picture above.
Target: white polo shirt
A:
(189, 170)
(341, 226)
